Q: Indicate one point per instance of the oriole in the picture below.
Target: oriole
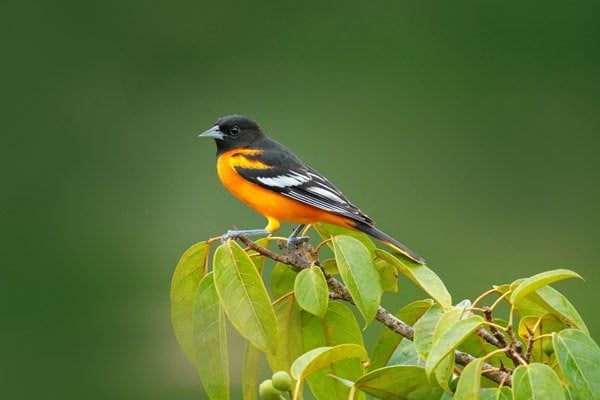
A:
(275, 182)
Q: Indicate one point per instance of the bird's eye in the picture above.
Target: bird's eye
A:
(234, 130)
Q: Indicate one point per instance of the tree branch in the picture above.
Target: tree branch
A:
(299, 258)
(497, 339)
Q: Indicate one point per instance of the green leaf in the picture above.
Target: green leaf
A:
(470, 381)
(338, 327)
(542, 279)
(547, 300)
(406, 354)
(444, 370)
(330, 266)
(398, 382)
(315, 359)
(321, 357)
(210, 340)
(312, 293)
(537, 326)
(553, 301)
(447, 320)
(327, 231)
(502, 393)
(450, 340)
(244, 297)
(289, 321)
(388, 274)
(257, 258)
(282, 279)
(250, 372)
(424, 328)
(188, 273)
(568, 395)
(359, 274)
(421, 275)
(536, 382)
(578, 356)
(346, 382)
(388, 341)
(478, 347)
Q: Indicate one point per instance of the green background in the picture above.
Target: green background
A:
(468, 130)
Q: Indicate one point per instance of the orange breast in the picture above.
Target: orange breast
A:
(267, 202)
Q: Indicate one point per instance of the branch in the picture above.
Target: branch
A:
(487, 311)
(300, 259)
(497, 339)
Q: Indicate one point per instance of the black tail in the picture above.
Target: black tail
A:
(390, 241)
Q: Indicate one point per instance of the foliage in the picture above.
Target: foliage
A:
(303, 325)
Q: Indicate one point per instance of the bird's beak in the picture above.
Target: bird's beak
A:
(213, 132)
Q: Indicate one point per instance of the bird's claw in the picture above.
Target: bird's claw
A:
(228, 235)
(293, 242)
(234, 234)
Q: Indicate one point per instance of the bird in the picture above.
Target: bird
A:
(272, 180)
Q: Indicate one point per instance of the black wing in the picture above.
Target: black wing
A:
(291, 177)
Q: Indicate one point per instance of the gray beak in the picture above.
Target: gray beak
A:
(213, 132)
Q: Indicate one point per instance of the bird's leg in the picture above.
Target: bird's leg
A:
(294, 240)
(234, 234)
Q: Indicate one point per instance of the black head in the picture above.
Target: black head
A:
(233, 131)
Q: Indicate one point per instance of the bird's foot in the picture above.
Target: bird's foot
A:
(234, 233)
(294, 241)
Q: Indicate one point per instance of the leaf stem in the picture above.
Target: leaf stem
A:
(499, 299)
(485, 294)
(318, 248)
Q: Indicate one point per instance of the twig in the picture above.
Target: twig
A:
(512, 348)
(529, 349)
(516, 347)
(488, 337)
(531, 339)
(487, 312)
(299, 259)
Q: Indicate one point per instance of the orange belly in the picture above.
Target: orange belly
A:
(267, 202)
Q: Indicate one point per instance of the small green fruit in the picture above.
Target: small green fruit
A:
(268, 392)
(282, 381)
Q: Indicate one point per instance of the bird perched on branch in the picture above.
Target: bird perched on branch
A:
(276, 183)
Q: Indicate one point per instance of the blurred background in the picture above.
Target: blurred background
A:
(469, 131)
